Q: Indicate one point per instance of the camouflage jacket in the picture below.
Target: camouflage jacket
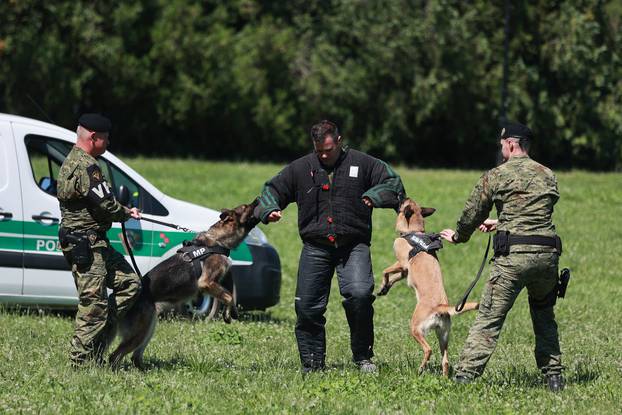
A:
(524, 193)
(86, 200)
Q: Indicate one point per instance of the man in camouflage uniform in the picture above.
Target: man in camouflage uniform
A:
(524, 193)
(88, 208)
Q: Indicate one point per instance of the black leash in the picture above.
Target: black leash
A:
(460, 305)
(129, 246)
(129, 250)
(170, 225)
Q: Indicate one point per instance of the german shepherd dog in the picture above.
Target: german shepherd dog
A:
(424, 276)
(173, 281)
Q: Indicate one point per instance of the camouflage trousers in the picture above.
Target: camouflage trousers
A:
(97, 311)
(509, 275)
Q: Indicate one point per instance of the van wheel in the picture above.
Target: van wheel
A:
(213, 309)
(202, 306)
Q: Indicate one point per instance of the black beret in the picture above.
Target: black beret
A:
(516, 130)
(95, 122)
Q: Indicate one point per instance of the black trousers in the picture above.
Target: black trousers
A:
(356, 285)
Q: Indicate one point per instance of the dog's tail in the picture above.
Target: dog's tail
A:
(451, 310)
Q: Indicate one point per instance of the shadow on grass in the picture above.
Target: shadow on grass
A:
(150, 364)
(35, 311)
(263, 317)
(168, 364)
(580, 374)
(244, 316)
(584, 373)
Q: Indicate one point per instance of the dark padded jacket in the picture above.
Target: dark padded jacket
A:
(334, 208)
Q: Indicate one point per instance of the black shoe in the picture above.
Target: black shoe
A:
(366, 366)
(462, 379)
(306, 369)
(555, 382)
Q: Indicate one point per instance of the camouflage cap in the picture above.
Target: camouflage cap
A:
(516, 130)
(95, 122)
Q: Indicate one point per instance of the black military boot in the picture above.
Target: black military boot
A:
(555, 382)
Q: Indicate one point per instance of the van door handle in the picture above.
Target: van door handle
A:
(40, 218)
(6, 215)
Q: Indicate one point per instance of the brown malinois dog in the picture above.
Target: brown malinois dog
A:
(175, 280)
(424, 276)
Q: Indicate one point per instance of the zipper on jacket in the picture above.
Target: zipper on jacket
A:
(330, 218)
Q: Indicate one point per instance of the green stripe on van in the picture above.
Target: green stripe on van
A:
(44, 238)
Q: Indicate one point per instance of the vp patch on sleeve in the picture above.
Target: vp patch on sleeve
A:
(98, 188)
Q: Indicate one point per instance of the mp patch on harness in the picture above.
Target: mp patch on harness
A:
(190, 252)
(423, 242)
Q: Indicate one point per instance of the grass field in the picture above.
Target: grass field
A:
(252, 366)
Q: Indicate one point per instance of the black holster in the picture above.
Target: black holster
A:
(501, 243)
(562, 283)
(81, 252)
(559, 291)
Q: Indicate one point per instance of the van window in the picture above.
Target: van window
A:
(47, 154)
(139, 197)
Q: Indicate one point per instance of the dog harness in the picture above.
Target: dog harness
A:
(423, 242)
(195, 254)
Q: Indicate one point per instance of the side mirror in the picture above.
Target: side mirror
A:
(123, 195)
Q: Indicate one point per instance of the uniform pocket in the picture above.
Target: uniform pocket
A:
(486, 301)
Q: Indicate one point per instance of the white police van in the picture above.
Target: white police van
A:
(33, 271)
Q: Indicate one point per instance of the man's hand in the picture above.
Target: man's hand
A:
(135, 213)
(448, 235)
(489, 225)
(368, 202)
(274, 216)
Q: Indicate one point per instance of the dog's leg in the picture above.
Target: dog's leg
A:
(416, 330)
(207, 284)
(442, 333)
(137, 356)
(136, 329)
(387, 280)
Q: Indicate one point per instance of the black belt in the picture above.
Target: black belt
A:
(99, 234)
(503, 240)
(533, 240)
(63, 232)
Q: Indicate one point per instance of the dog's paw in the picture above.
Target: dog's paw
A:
(138, 363)
(226, 316)
(234, 312)
(383, 291)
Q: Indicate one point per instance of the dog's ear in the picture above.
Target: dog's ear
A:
(247, 211)
(248, 218)
(425, 211)
(408, 212)
(225, 214)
